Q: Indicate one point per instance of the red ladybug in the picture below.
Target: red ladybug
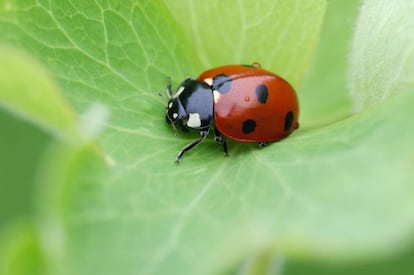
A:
(245, 103)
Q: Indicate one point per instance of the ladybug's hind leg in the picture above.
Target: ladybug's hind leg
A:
(221, 139)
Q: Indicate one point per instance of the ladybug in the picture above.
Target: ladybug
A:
(244, 102)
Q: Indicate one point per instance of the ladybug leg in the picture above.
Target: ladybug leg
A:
(256, 65)
(263, 144)
(169, 92)
(221, 139)
(188, 147)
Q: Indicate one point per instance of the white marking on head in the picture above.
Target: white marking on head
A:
(194, 120)
(175, 115)
(209, 81)
(216, 96)
(179, 91)
(170, 105)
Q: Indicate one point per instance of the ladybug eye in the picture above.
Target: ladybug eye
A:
(169, 106)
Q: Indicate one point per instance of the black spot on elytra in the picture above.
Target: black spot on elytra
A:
(288, 120)
(261, 93)
(248, 126)
(222, 83)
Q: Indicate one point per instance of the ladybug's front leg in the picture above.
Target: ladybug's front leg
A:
(221, 139)
(188, 147)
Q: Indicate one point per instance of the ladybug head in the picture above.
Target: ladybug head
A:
(176, 112)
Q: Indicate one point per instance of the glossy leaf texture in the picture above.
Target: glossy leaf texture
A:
(338, 189)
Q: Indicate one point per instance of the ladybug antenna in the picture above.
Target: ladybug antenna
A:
(169, 93)
(175, 129)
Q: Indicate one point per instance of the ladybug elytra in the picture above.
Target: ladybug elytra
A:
(243, 102)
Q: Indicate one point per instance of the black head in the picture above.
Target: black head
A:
(176, 114)
(191, 105)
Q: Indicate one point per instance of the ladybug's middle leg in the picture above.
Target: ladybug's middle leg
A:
(221, 139)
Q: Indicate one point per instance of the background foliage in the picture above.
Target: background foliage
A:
(88, 183)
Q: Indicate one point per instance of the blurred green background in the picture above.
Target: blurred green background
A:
(22, 146)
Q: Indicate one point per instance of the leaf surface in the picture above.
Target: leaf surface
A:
(120, 204)
(382, 59)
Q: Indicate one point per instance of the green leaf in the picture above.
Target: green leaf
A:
(397, 264)
(20, 251)
(324, 89)
(27, 91)
(338, 192)
(19, 156)
(382, 59)
(280, 35)
(256, 200)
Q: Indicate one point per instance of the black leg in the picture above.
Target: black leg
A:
(221, 139)
(169, 92)
(190, 146)
(263, 144)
